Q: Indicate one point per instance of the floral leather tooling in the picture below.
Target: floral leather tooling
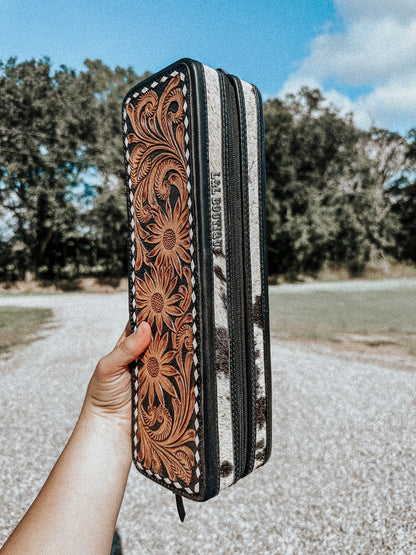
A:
(165, 407)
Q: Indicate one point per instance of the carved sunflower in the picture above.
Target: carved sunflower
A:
(170, 235)
(156, 370)
(155, 301)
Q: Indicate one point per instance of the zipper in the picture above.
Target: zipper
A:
(250, 375)
(235, 269)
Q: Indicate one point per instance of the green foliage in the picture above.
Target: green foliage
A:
(54, 127)
(402, 191)
(308, 150)
(335, 195)
(108, 88)
(20, 326)
(41, 135)
(108, 222)
(328, 195)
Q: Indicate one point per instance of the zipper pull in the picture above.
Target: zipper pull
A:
(180, 507)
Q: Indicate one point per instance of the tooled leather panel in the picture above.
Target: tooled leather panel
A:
(166, 404)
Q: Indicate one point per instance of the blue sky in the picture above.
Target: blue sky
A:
(361, 53)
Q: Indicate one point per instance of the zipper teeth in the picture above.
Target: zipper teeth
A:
(236, 266)
(249, 376)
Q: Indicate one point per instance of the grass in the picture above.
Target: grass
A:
(350, 315)
(19, 326)
(380, 317)
(53, 287)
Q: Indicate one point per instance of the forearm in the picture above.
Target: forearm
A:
(77, 508)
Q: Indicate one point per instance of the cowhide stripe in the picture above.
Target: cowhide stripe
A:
(225, 427)
(254, 178)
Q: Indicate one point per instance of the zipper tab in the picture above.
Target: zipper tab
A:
(180, 507)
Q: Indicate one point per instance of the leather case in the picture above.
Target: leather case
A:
(194, 156)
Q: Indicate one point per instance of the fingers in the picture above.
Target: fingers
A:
(126, 333)
(128, 348)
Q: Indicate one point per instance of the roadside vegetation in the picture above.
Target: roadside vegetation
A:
(375, 319)
(20, 326)
(341, 202)
(337, 196)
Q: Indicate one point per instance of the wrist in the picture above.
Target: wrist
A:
(109, 432)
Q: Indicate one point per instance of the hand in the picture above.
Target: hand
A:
(77, 507)
(109, 390)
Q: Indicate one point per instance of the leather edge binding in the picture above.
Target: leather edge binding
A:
(231, 157)
(206, 490)
(251, 368)
(265, 284)
(206, 326)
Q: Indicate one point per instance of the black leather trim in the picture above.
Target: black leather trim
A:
(234, 229)
(206, 325)
(208, 432)
(249, 329)
(265, 282)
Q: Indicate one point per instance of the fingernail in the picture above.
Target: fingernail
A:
(141, 325)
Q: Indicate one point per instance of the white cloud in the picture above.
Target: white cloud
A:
(376, 50)
(357, 10)
(394, 103)
(296, 81)
(362, 114)
(364, 53)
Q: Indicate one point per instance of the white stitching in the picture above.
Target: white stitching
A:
(133, 288)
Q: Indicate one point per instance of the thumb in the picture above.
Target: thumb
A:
(128, 350)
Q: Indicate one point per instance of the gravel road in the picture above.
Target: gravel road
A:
(342, 474)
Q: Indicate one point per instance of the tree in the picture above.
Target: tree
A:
(309, 147)
(335, 195)
(41, 145)
(387, 153)
(108, 89)
(108, 226)
(59, 132)
(108, 217)
(330, 193)
(402, 192)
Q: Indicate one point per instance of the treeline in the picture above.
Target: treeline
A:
(335, 195)
(61, 170)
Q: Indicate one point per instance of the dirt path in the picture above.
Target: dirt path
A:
(341, 477)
